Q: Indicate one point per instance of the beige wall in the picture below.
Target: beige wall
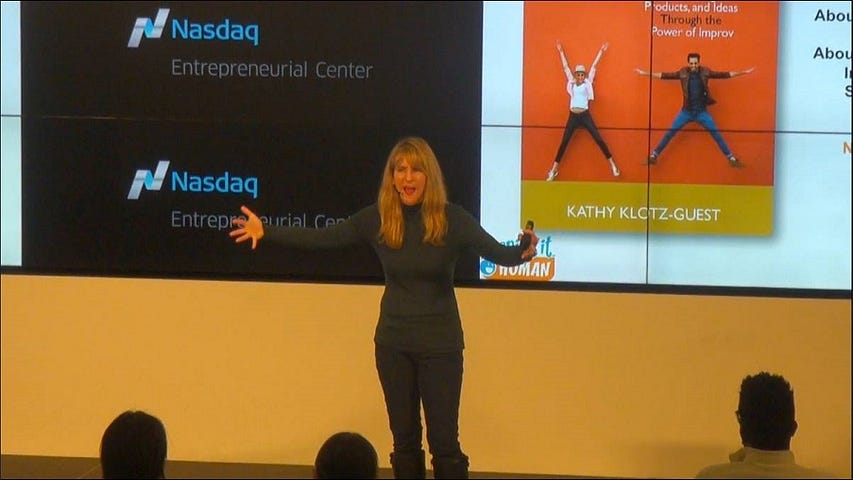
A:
(555, 382)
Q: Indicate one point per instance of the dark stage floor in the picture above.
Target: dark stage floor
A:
(28, 466)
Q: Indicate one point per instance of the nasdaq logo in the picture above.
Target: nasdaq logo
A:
(144, 26)
(225, 182)
(225, 31)
(184, 29)
(144, 178)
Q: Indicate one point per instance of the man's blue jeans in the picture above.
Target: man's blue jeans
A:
(702, 118)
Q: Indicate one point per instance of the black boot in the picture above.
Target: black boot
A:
(409, 464)
(450, 467)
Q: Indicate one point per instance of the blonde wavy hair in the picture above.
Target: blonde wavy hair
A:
(417, 152)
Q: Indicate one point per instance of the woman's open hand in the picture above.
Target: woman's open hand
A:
(249, 227)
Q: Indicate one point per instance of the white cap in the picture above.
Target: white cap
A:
(580, 68)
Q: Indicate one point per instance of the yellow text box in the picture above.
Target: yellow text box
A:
(641, 207)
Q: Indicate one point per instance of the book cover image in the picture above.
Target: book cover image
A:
(630, 150)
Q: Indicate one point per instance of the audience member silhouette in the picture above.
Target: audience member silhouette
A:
(346, 455)
(134, 446)
(765, 414)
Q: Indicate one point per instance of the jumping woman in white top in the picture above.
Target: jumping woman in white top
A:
(579, 87)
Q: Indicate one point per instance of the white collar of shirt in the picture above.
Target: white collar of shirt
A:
(765, 457)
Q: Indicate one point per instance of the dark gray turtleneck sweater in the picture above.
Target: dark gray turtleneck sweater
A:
(418, 311)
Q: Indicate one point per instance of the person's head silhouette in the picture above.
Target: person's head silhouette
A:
(346, 455)
(134, 446)
(766, 412)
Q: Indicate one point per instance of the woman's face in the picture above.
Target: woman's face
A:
(410, 183)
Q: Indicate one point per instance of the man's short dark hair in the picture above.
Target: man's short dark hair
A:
(766, 412)
(134, 446)
(346, 455)
(693, 55)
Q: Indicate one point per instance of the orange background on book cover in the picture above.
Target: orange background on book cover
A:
(633, 112)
